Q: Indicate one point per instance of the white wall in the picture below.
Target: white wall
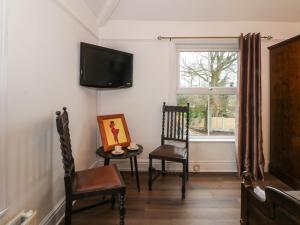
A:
(154, 77)
(80, 11)
(43, 65)
(3, 102)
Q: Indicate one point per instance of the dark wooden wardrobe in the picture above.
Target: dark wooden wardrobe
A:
(285, 111)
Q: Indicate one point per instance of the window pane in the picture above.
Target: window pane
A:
(222, 115)
(207, 69)
(198, 112)
(210, 115)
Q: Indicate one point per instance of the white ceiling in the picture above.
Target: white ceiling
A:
(205, 10)
(96, 5)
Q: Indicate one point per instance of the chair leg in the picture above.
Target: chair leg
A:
(187, 170)
(68, 212)
(150, 175)
(163, 167)
(122, 208)
(183, 180)
(113, 201)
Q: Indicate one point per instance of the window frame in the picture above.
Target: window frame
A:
(207, 46)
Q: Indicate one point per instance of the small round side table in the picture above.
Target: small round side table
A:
(127, 154)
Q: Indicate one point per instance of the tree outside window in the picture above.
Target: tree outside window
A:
(208, 81)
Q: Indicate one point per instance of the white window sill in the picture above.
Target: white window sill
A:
(3, 212)
(226, 140)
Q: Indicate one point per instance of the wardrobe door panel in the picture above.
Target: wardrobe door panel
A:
(285, 111)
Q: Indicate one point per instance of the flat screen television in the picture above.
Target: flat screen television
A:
(104, 67)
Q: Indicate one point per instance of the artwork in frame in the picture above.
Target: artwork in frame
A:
(113, 131)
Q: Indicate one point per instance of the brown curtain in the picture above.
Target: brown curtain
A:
(249, 140)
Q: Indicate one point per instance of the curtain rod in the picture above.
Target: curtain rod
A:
(207, 37)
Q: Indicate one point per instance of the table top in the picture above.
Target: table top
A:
(127, 153)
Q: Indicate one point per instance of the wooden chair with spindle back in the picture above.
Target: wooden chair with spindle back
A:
(105, 180)
(175, 127)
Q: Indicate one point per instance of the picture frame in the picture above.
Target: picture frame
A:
(113, 131)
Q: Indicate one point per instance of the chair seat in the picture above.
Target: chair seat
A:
(100, 178)
(169, 152)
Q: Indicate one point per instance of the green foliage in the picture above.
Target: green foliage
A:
(198, 110)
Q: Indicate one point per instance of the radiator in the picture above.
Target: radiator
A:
(23, 218)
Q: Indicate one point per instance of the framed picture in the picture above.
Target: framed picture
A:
(113, 131)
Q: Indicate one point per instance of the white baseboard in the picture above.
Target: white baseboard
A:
(194, 166)
(94, 164)
(55, 215)
(58, 212)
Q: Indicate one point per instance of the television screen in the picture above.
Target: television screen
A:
(105, 68)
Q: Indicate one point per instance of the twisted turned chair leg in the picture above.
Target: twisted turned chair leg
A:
(68, 212)
(183, 180)
(163, 167)
(122, 208)
(187, 170)
(150, 175)
(113, 201)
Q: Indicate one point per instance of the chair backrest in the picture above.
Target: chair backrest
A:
(175, 123)
(62, 124)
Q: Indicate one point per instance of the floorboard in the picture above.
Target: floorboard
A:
(212, 199)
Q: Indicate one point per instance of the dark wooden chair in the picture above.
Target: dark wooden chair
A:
(105, 180)
(175, 127)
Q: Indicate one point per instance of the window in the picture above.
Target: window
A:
(207, 79)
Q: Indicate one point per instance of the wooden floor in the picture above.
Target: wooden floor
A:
(212, 199)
